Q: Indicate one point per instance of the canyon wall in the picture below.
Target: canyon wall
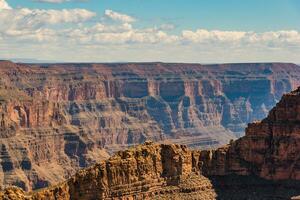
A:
(58, 118)
(147, 171)
(264, 164)
(270, 148)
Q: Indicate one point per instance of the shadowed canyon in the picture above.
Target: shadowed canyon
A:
(58, 118)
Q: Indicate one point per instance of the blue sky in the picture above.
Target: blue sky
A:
(252, 30)
(245, 15)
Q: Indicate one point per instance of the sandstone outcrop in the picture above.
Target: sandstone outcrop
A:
(270, 149)
(58, 118)
(144, 172)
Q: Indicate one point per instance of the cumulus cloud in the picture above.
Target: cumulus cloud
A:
(114, 35)
(277, 38)
(118, 34)
(202, 35)
(25, 17)
(16, 22)
(119, 16)
(4, 5)
(24, 23)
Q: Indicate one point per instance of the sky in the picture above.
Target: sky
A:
(198, 31)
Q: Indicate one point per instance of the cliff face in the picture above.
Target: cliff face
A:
(270, 148)
(253, 167)
(147, 171)
(56, 119)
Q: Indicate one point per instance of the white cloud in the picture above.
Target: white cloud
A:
(119, 16)
(118, 34)
(291, 37)
(217, 37)
(202, 35)
(25, 22)
(44, 34)
(24, 17)
(4, 5)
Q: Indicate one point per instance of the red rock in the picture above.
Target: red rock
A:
(66, 115)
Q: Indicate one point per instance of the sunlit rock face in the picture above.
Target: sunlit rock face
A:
(270, 148)
(62, 117)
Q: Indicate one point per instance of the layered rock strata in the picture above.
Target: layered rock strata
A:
(58, 118)
(264, 164)
(270, 149)
(138, 173)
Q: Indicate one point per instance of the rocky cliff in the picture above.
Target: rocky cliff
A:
(58, 118)
(270, 149)
(264, 164)
(149, 170)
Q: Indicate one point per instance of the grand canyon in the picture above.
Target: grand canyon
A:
(59, 118)
(149, 100)
(263, 164)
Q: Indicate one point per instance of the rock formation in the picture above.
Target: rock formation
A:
(58, 118)
(270, 149)
(264, 164)
(147, 171)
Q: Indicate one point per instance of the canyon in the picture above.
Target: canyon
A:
(58, 118)
(263, 164)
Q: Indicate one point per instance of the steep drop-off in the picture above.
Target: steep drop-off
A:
(264, 164)
(270, 149)
(58, 118)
